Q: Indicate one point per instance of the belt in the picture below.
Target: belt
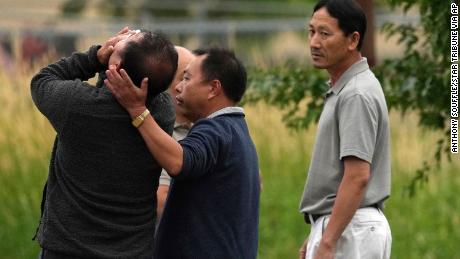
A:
(314, 217)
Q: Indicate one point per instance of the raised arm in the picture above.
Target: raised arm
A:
(53, 87)
(163, 147)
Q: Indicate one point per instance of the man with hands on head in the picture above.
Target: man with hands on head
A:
(349, 176)
(102, 179)
(213, 206)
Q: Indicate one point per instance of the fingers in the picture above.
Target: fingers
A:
(121, 79)
(302, 254)
(130, 97)
(113, 76)
(303, 249)
(111, 87)
(144, 85)
(121, 35)
(125, 77)
(124, 30)
(109, 50)
(114, 40)
(115, 83)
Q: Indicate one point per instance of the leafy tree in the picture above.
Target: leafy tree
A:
(298, 90)
(420, 79)
(123, 8)
(417, 81)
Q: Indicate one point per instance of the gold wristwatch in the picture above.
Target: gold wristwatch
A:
(140, 119)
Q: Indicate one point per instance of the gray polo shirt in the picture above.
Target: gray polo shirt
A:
(354, 122)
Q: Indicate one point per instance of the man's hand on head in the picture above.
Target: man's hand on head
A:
(103, 54)
(131, 97)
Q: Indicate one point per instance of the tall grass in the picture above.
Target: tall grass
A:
(25, 138)
(426, 226)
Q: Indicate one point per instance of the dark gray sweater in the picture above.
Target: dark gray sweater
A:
(100, 195)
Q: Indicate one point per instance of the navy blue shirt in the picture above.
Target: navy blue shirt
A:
(212, 210)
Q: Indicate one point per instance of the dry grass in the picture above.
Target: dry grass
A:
(25, 132)
(426, 226)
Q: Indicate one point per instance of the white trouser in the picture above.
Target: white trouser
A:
(368, 236)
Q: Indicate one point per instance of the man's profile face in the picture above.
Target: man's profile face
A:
(184, 58)
(328, 43)
(193, 91)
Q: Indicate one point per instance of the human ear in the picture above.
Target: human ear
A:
(215, 90)
(354, 40)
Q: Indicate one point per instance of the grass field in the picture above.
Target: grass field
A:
(426, 226)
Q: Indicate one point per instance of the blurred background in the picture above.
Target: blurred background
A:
(259, 31)
(271, 38)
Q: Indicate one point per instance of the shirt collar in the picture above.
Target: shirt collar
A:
(183, 125)
(226, 110)
(353, 70)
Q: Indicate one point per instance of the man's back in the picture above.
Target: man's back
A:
(100, 193)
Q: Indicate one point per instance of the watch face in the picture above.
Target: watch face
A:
(139, 119)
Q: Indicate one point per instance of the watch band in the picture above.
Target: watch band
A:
(140, 119)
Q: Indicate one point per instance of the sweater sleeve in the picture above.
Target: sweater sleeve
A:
(52, 88)
(202, 148)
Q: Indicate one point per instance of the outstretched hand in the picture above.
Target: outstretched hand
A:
(131, 97)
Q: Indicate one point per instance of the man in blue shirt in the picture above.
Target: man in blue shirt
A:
(213, 207)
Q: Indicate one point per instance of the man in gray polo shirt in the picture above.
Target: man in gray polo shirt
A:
(349, 175)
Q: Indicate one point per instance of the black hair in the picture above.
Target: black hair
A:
(222, 64)
(350, 15)
(152, 56)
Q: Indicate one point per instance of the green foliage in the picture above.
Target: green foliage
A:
(116, 8)
(297, 90)
(422, 73)
(187, 9)
(72, 8)
(419, 80)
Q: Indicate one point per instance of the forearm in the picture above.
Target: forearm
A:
(347, 202)
(78, 66)
(349, 196)
(81, 65)
(162, 194)
(163, 147)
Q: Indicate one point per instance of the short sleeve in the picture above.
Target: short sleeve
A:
(357, 119)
